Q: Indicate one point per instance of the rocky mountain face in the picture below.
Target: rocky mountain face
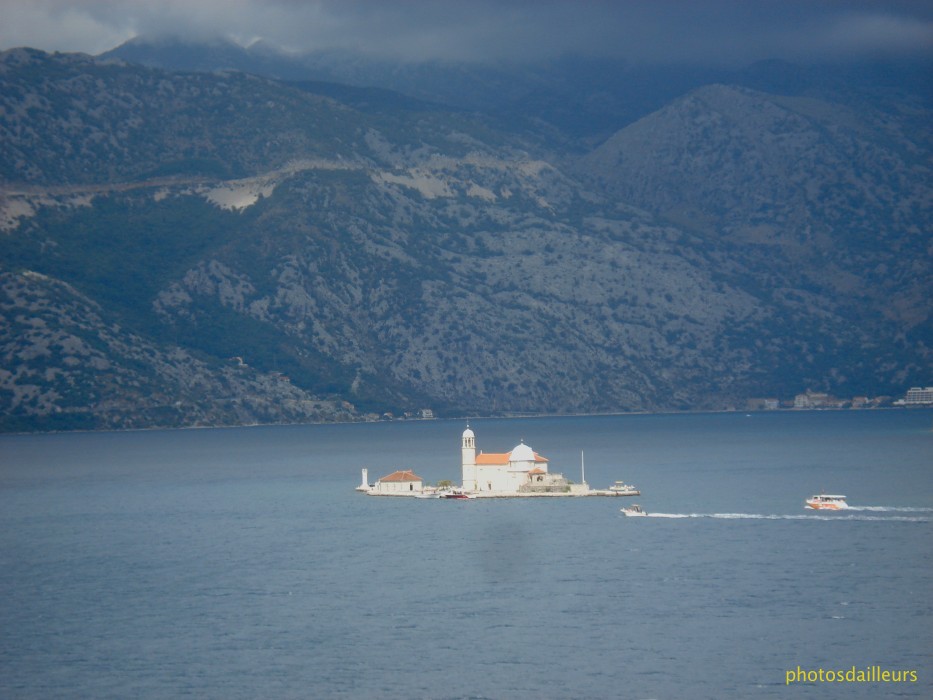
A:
(69, 367)
(826, 204)
(183, 248)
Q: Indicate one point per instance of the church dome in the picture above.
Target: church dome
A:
(468, 433)
(522, 453)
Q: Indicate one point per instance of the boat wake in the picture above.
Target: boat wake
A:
(891, 509)
(761, 516)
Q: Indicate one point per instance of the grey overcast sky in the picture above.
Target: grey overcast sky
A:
(720, 31)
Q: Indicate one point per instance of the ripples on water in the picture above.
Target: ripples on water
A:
(241, 563)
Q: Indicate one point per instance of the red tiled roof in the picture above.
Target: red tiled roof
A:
(501, 458)
(405, 475)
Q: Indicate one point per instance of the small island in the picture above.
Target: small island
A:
(519, 473)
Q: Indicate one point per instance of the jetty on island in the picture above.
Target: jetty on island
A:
(519, 473)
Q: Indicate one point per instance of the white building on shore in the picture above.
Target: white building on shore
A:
(919, 396)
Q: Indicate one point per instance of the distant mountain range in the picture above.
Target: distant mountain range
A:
(206, 235)
(583, 98)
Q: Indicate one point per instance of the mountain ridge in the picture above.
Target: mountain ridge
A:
(353, 259)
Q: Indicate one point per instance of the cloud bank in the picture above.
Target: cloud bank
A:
(712, 31)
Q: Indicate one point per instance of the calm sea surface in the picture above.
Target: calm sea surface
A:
(241, 563)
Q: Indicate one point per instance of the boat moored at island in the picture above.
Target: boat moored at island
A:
(620, 488)
(633, 511)
(827, 502)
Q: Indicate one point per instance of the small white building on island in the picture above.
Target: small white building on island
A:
(399, 483)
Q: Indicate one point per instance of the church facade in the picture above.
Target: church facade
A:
(522, 470)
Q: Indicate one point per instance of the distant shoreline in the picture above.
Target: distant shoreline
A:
(510, 416)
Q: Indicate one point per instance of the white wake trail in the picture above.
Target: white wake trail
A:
(891, 509)
(762, 516)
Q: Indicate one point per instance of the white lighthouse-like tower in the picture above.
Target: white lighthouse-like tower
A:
(468, 459)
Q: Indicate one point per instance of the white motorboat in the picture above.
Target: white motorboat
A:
(620, 488)
(827, 502)
(633, 511)
(456, 494)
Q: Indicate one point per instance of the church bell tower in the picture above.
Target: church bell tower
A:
(468, 459)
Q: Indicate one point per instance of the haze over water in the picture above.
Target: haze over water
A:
(241, 564)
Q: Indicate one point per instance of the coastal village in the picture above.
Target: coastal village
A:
(521, 472)
(808, 400)
(915, 397)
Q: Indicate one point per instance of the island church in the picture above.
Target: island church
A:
(520, 471)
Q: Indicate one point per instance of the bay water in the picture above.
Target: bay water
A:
(241, 563)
